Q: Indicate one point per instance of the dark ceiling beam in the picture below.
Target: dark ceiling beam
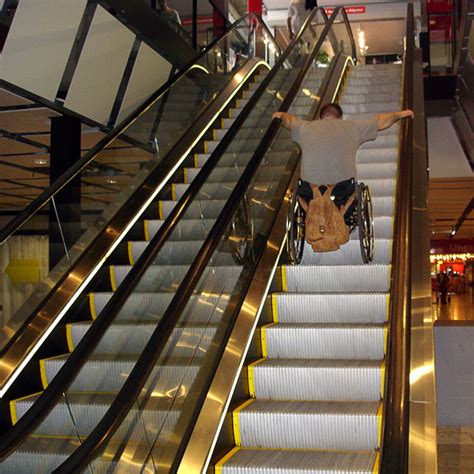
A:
(20, 138)
(463, 218)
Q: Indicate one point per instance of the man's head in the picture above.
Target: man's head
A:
(331, 112)
(162, 4)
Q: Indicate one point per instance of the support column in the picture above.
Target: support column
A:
(65, 151)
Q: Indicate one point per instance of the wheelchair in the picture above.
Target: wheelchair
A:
(362, 219)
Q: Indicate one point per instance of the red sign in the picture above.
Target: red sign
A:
(355, 10)
(201, 20)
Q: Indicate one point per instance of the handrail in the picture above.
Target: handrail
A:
(351, 36)
(394, 457)
(128, 394)
(30, 210)
(78, 357)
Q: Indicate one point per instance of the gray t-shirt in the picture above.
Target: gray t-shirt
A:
(329, 147)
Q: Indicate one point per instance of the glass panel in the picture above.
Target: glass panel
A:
(441, 39)
(59, 233)
(172, 393)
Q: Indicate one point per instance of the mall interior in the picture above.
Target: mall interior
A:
(170, 302)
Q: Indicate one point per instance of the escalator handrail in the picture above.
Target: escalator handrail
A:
(127, 397)
(351, 36)
(40, 201)
(52, 393)
(394, 447)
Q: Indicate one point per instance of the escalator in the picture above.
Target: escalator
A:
(316, 394)
(179, 217)
(150, 380)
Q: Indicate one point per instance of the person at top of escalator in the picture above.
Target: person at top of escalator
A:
(168, 13)
(298, 11)
(329, 146)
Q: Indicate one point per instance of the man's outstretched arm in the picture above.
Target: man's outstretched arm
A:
(287, 119)
(387, 120)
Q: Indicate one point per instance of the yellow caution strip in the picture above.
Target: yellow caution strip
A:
(92, 306)
(13, 412)
(185, 175)
(214, 134)
(196, 161)
(284, 285)
(387, 306)
(263, 337)
(147, 230)
(274, 308)
(379, 422)
(385, 338)
(235, 420)
(382, 379)
(173, 192)
(220, 464)
(130, 253)
(44, 377)
(160, 210)
(251, 377)
(113, 283)
(375, 469)
(205, 146)
(70, 341)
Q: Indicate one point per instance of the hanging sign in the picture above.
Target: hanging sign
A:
(354, 10)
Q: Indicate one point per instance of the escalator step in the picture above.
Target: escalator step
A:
(312, 379)
(262, 461)
(335, 279)
(308, 425)
(330, 308)
(324, 341)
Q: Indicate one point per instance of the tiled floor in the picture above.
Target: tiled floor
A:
(455, 449)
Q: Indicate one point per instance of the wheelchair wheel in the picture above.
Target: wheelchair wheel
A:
(365, 223)
(295, 230)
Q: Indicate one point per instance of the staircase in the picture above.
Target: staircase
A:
(316, 394)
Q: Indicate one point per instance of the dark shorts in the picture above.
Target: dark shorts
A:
(341, 192)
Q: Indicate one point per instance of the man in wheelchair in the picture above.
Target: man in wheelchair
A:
(329, 146)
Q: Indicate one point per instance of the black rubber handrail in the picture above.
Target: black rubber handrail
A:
(53, 392)
(351, 36)
(127, 397)
(394, 456)
(32, 208)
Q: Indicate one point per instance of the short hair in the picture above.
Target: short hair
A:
(332, 109)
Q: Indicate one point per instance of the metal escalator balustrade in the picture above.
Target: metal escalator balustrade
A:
(176, 118)
(145, 310)
(105, 370)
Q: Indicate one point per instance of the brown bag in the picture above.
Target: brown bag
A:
(325, 228)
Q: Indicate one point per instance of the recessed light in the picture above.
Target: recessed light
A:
(111, 181)
(39, 161)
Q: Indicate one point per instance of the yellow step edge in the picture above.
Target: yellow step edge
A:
(214, 134)
(196, 160)
(263, 338)
(205, 146)
(70, 341)
(113, 282)
(382, 379)
(379, 423)
(235, 420)
(13, 412)
(385, 338)
(284, 285)
(173, 192)
(131, 260)
(185, 175)
(222, 123)
(274, 308)
(92, 306)
(375, 469)
(160, 210)
(44, 377)
(387, 307)
(147, 230)
(220, 464)
(250, 374)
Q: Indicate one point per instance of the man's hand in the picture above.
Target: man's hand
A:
(284, 117)
(387, 120)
